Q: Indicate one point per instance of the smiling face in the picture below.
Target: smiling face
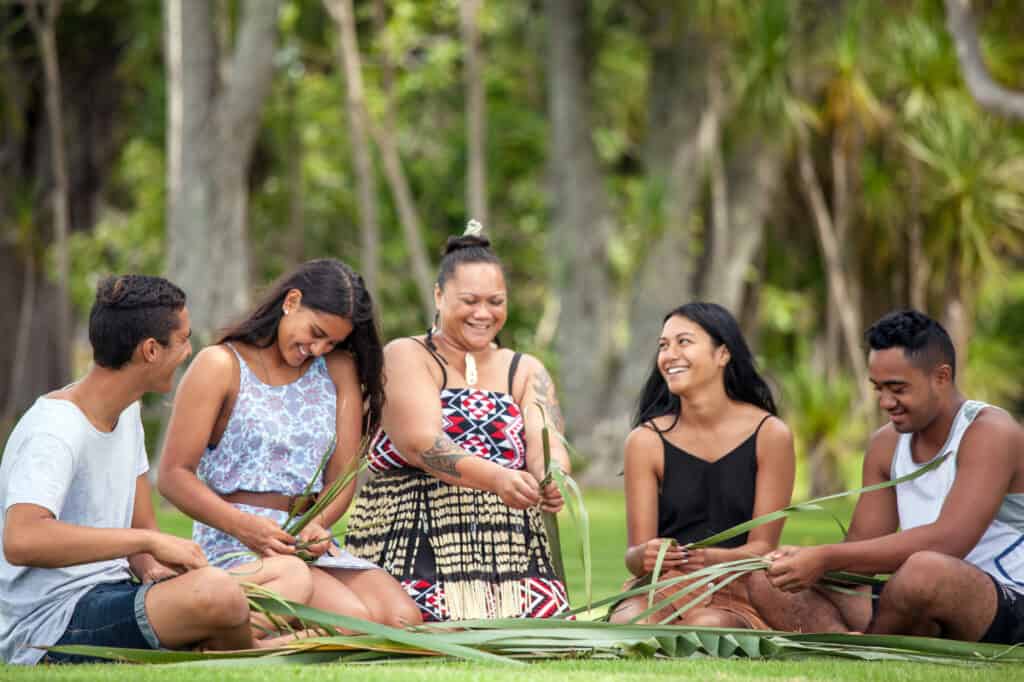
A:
(688, 356)
(473, 306)
(164, 360)
(910, 395)
(305, 333)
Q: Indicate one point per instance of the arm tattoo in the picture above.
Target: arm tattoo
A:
(443, 455)
(544, 390)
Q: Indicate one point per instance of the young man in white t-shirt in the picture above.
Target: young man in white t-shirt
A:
(953, 538)
(76, 510)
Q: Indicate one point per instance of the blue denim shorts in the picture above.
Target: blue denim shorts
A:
(111, 614)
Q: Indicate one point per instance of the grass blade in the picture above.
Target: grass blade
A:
(811, 505)
(307, 491)
(427, 642)
(551, 520)
(658, 561)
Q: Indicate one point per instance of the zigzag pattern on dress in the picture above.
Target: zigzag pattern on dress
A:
(429, 599)
(540, 598)
(544, 598)
(487, 424)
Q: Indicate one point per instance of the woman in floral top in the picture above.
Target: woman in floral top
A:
(254, 416)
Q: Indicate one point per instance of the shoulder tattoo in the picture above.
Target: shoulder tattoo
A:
(544, 394)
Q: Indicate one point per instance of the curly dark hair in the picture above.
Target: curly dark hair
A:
(924, 341)
(128, 310)
(332, 287)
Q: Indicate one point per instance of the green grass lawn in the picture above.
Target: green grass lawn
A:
(608, 534)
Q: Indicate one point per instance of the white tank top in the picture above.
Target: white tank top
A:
(1000, 551)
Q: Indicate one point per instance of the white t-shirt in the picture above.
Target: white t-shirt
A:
(57, 459)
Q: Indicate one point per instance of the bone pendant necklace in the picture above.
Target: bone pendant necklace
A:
(470, 369)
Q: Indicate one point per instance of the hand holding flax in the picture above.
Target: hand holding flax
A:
(262, 535)
(795, 569)
(551, 499)
(516, 488)
(315, 539)
(645, 555)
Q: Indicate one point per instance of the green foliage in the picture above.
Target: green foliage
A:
(128, 239)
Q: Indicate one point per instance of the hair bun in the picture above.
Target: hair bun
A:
(465, 241)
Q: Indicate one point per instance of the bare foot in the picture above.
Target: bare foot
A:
(285, 640)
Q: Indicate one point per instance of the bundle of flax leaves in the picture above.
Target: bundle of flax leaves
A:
(515, 641)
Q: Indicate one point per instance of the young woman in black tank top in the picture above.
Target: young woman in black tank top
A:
(706, 453)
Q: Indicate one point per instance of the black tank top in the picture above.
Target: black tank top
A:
(700, 498)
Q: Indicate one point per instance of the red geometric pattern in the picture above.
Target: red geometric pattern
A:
(540, 598)
(544, 598)
(487, 424)
(428, 598)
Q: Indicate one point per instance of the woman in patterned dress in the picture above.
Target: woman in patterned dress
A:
(255, 414)
(453, 508)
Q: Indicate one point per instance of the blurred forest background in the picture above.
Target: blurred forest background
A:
(810, 164)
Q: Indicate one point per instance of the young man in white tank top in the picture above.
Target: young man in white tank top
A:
(953, 538)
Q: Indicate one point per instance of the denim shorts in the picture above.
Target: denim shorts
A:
(111, 614)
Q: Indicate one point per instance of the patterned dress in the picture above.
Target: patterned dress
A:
(459, 553)
(273, 443)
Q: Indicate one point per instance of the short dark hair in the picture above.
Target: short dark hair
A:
(129, 309)
(464, 249)
(923, 340)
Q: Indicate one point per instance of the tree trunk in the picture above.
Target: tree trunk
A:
(44, 28)
(214, 112)
(22, 346)
(582, 224)
(825, 476)
(680, 125)
(986, 91)
(295, 239)
(752, 177)
(957, 315)
(476, 113)
(918, 267)
(408, 214)
(359, 138)
(839, 288)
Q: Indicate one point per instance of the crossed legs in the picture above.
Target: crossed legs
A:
(932, 594)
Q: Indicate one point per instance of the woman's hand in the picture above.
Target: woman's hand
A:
(516, 488)
(551, 499)
(312, 532)
(675, 557)
(262, 535)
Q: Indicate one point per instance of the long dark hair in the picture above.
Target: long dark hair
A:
(742, 382)
(327, 286)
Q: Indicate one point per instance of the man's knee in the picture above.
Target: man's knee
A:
(216, 599)
(916, 583)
